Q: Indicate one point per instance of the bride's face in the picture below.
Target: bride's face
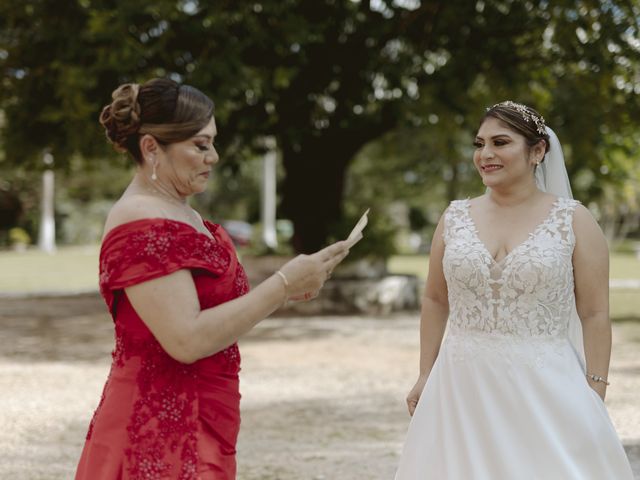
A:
(502, 156)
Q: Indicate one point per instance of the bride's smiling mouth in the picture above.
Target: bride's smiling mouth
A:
(492, 167)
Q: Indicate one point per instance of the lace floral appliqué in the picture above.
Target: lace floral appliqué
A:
(526, 296)
(164, 422)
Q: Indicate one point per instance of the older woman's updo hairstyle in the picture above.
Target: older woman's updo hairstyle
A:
(521, 119)
(168, 111)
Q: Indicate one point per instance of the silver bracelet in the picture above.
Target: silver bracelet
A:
(597, 378)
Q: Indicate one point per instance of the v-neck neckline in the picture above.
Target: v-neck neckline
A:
(476, 233)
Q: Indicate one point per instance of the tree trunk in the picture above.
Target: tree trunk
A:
(312, 193)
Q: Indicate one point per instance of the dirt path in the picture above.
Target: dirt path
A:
(322, 396)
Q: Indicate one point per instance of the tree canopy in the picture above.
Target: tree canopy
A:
(326, 78)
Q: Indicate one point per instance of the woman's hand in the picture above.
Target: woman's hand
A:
(306, 274)
(414, 394)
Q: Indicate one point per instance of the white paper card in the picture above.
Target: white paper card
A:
(352, 239)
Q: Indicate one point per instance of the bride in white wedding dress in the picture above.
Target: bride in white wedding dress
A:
(519, 278)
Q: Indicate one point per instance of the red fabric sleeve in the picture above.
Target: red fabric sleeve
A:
(142, 250)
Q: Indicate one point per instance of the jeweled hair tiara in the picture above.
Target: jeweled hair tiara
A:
(527, 115)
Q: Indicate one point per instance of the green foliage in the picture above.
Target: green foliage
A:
(257, 247)
(22, 187)
(326, 78)
(417, 219)
(378, 240)
(80, 223)
(18, 236)
(628, 247)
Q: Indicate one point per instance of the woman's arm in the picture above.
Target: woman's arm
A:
(170, 308)
(433, 319)
(591, 276)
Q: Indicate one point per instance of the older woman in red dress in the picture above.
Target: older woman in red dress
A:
(179, 299)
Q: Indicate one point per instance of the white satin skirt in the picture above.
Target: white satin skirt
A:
(499, 408)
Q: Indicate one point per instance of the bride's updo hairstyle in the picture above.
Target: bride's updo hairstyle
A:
(521, 119)
(168, 111)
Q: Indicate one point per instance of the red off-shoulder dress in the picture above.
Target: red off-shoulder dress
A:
(159, 418)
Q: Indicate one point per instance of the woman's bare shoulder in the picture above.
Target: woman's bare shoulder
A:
(130, 208)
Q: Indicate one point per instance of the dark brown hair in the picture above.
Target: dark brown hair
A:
(521, 119)
(168, 111)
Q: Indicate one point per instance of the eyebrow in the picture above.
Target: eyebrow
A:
(495, 136)
(205, 135)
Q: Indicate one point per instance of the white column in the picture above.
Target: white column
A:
(269, 195)
(47, 233)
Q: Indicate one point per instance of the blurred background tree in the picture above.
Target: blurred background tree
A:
(372, 103)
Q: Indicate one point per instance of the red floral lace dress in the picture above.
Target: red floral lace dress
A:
(159, 418)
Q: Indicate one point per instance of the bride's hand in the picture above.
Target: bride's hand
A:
(414, 394)
(599, 387)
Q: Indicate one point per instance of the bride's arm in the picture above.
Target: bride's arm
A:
(433, 318)
(435, 306)
(591, 276)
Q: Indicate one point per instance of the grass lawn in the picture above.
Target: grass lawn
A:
(73, 269)
(69, 269)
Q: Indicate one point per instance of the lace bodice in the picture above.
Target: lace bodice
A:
(529, 293)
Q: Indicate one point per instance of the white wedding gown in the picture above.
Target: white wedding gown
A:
(507, 398)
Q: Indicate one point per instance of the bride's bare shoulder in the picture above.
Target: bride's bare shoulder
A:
(479, 200)
(584, 220)
(130, 208)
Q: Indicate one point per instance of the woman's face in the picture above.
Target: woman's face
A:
(502, 156)
(187, 165)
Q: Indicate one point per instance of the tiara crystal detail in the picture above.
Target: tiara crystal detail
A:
(527, 115)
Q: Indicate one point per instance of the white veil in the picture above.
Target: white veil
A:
(551, 176)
